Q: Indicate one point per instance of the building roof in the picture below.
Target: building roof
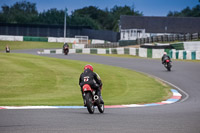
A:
(161, 24)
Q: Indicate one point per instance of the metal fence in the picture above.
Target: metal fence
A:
(106, 45)
(102, 35)
(57, 31)
(169, 38)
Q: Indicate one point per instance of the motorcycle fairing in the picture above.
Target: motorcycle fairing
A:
(87, 87)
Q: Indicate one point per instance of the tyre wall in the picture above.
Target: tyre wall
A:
(141, 52)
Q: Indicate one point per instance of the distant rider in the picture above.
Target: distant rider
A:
(7, 49)
(91, 78)
(165, 57)
(65, 48)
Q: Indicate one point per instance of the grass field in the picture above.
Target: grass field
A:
(35, 80)
(14, 45)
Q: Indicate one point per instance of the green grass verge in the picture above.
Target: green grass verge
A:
(34, 80)
(16, 45)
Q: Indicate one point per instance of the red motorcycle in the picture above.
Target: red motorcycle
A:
(92, 99)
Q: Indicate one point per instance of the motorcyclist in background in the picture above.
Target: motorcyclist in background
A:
(65, 48)
(165, 57)
(93, 79)
(7, 49)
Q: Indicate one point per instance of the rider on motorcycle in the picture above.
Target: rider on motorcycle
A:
(91, 78)
(165, 57)
(65, 48)
(7, 49)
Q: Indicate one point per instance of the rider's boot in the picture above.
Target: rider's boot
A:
(100, 97)
(101, 100)
(84, 101)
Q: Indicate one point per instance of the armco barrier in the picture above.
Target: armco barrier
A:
(86, 51)
(132, 51)
(189, 56)
(101, 51)
(35, 39)
(120, 50)
(149, 53)
(180, 56)
(142, 52)
(11, 38)
(93, 51)
(173, 54)
(193, 55)
(79, 50)
(61, 39)
(184, 55)
(126, 50)
(157, 53)
(113, 50)
(197, 55)
(72, 51)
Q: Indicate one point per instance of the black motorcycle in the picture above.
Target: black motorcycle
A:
(66, 49)
(7, 50)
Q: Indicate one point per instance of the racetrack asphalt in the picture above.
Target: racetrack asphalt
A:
(180, 117)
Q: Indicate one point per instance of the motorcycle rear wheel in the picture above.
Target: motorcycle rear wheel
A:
(169, 67)
(89, 103)
(101, 108)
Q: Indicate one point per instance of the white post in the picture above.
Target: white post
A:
(65, 24)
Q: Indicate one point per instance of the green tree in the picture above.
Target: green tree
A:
(187, 12)
(20, 12)
(83, 21)
(52, 16)
(26, 12)
(105, 19)
(196, 11)
(94, 16)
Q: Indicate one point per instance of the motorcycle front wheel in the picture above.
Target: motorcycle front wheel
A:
(66, 52)
(89, 103)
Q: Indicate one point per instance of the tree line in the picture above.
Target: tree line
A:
(26, 13)
(187, 12)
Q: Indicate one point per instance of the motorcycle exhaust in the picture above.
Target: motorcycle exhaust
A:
(96, 97)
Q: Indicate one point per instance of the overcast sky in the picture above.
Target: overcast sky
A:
(148, 7)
